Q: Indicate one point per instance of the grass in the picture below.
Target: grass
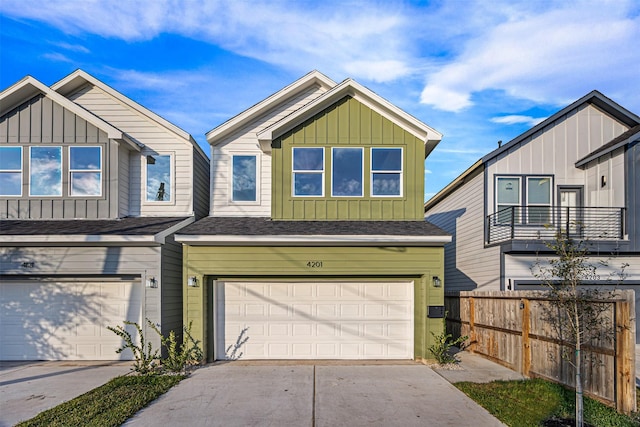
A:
(531, 402)
(108, 405)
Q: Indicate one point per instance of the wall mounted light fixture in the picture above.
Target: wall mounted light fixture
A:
(437, 282)
(151, 282)
(192, 281)
(603, 181)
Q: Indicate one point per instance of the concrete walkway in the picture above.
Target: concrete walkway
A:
(28, 388)
(295, 394)
(476, 369)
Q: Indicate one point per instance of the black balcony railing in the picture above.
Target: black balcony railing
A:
(545, 222)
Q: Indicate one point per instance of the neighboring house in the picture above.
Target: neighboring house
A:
(93, 187)
(578, 170)
(316, 245)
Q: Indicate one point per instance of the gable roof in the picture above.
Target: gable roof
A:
(595, 98)
(79, 78)
(28, 87)
(309, 80)
(350, 87)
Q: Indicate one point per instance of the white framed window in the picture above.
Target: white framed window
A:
(508, 198)
(159, 178)
(386, 172)
(539, 199)
(308, 171)
(244, 178)
(85, 171)
(45, 171)
(347, 172)
(11, 171)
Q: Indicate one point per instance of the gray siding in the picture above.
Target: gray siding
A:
(123, 180)
(40, 121)
(633, 196)
(201, 185)
(91, 262)
(171, 292)
(468, 264)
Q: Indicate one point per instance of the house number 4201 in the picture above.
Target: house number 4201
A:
(314, 264)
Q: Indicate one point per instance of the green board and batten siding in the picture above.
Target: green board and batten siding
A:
(281, 263)
(348, 123)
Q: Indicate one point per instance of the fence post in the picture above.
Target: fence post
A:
(513, 223)
(526, 344)
(472, 329)
(625, 357)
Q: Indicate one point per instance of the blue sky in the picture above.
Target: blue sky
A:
(477, 71)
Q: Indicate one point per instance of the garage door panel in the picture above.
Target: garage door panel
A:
(66, 320)
(315, 320)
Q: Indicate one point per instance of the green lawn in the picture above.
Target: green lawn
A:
(108, 405)
(531, 402)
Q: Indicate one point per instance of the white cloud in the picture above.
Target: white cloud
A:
(57, 57)
(517, 119)
(544, 57)
(358, 39)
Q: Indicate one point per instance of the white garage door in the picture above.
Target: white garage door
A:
(65, 320)
(330, 320)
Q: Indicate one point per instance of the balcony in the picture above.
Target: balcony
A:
(544, 223)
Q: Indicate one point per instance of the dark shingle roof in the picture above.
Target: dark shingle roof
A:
(258, 226)
(142, 226)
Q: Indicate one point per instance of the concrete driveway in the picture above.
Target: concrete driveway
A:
(28, 388)
(255, 394)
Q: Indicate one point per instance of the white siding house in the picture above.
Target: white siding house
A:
(577, 171)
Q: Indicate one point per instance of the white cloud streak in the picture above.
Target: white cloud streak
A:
(542, 57)
(517, 119)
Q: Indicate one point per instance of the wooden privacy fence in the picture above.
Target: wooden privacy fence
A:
(511, 328)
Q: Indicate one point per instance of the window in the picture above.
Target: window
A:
(507, 196)
(538, 200)
(386, 171)
(347, 168)
(85, 171)
(244, 178)
(45, 171)
(308, 171)
(159, 183)
(10, 171)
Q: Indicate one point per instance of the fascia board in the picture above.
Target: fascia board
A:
(29, 87)
(80, 77)
(352, 88)
(121, 239)
(597, 155)
(313, 78)
(452, 186)
(77, 239)
(160, 237)
(304, 240)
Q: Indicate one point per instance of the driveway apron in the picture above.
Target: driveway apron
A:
(28, 388)
(320, 395)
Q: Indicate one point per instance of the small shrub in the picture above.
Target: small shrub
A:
(441, 350)
(145, 356)
(179, 356)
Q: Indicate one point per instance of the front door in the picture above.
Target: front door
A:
(570, 202)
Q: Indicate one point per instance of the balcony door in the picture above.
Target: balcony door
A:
(570, 200)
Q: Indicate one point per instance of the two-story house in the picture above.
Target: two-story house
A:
(577, 171)
(316, 245)
(93, 187)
